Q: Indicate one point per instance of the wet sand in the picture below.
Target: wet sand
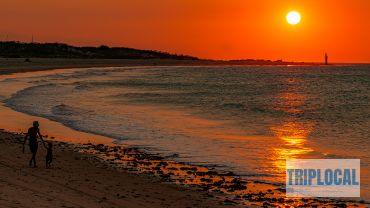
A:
(77, 180)
(92, 171)
(98, 175)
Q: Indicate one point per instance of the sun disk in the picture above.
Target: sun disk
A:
(293, 17)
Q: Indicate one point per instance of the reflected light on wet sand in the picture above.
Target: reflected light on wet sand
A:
(19, 122)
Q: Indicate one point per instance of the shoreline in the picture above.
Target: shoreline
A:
(79, 180)
(115, 163)
(166, 171)
(18, 65)
(227, 188)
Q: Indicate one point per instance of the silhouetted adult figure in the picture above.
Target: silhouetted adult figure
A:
(32, 134)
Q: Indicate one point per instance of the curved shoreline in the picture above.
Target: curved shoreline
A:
(208, 182)
(226, 188)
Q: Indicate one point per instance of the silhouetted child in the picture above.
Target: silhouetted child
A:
(49, 154)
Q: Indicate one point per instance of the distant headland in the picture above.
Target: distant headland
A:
(60, 50)
(15, 49)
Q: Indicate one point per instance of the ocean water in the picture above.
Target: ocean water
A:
(245, 119)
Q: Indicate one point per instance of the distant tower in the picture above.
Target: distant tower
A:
(326, 59)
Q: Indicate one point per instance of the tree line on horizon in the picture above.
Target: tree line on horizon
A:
(13, 49)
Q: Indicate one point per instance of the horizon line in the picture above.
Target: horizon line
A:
(199, 58)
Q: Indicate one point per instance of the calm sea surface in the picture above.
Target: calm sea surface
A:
(247, 120)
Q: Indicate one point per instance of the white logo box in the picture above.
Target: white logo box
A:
(323, 178)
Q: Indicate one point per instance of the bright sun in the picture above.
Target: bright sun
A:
(293, 17)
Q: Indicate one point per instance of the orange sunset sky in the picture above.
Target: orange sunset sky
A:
(216, 29)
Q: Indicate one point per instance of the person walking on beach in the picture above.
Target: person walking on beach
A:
(32, 134)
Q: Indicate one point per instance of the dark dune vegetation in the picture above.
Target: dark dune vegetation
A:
(13, 49)
(26, 51)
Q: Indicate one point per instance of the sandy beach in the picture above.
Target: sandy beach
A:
(74, 181)
(89, 175)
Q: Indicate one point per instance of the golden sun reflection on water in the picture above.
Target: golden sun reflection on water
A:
(294, 137)
(291, 132)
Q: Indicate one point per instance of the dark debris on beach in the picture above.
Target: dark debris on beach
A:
(228, 187)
